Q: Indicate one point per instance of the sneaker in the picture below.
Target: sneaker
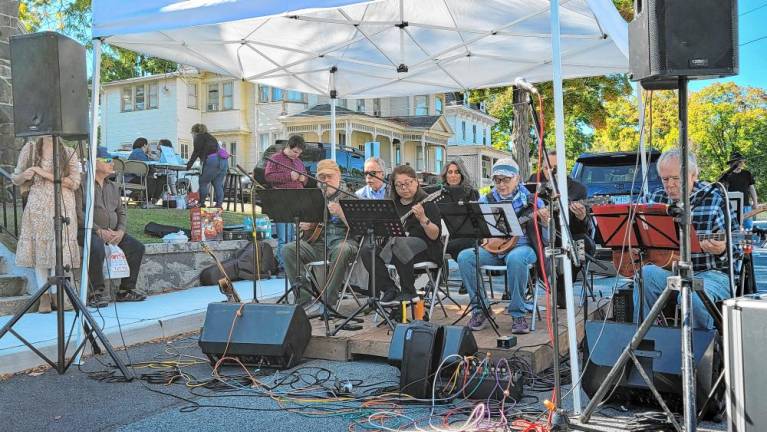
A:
(462, 290)
(313, 309)
(477, 321)
(129, 296)
(389, 297)
(98, 301)
(520, 326)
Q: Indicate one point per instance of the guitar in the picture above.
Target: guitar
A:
(431, 197)
(500, 245)
(225, 283)
(665, 258)
(761, 208)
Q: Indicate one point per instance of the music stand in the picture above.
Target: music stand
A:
(293, 206)
(371, 218)
(480, 221)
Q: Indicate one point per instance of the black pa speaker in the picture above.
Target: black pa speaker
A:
(456, 340)
(50, 88)
(420, 358)
(659, 353)
(669, 39)
(266, 335)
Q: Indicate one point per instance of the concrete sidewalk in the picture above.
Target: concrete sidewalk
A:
(159, 316)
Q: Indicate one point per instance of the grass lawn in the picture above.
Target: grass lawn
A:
(138, 218)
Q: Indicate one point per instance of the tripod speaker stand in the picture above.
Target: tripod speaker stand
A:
(64, 288)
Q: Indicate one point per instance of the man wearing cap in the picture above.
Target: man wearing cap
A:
(739, 179)
(109, 225)
(505, 174)
(341, 250)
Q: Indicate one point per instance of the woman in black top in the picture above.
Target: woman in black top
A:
(456, 187)
(213, 161)
(423, 242)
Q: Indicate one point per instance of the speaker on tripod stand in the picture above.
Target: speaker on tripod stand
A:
(51, 99)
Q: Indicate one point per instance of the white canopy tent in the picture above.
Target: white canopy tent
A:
(383, 48)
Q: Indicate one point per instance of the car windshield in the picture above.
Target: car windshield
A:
(611, 174)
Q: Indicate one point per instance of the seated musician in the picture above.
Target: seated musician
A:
(341, 250)
(422, 243)
(579, 223)
(375, 186)
(708, 217)
(507, 188)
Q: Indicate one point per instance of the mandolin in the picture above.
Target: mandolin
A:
(500, 245)
(225, 283)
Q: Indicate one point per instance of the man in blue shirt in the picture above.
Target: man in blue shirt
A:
(505, 174)
(140, 150)
(375, 172)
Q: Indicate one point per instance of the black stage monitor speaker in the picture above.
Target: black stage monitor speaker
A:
(50, 88)
(669, 39)
(267, 335)
(660, 356)
(456, 340)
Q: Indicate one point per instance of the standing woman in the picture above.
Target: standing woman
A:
(213, 160)
(36, 246)
(423, 242)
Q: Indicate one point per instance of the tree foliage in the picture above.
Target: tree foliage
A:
(73, 18)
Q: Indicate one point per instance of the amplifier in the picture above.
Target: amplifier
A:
(745, 330)
(623, 304)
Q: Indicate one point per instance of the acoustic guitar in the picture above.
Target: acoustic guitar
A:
(501, 245)
(627, 264)
(225, 283)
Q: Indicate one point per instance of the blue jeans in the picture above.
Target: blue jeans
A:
(715, 284)
(213, 170)
(517, 263)
(285, 235)
(748, 223)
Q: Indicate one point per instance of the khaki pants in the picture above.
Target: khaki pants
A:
(340, 255)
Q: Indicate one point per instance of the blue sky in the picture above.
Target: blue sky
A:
(753, 50)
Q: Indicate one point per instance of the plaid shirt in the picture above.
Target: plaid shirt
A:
(708, 217)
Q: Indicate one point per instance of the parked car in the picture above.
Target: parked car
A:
(351, 161)
(614, 174)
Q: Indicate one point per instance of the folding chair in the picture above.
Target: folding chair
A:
(532, 285)
(141, 170)
(434, 272)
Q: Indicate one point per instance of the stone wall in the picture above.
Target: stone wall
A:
(9, 145)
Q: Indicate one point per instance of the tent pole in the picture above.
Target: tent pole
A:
(90, 170)
(559, 120)
(333, 100)
(642, 149)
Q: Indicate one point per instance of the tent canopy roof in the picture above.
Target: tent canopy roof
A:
(371, 49)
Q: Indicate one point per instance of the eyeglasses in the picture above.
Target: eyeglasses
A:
(502, 180)
(674, 179)
(105, 160)
(373, 173)
(404, 184)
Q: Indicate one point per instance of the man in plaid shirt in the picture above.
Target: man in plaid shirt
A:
(708, 217)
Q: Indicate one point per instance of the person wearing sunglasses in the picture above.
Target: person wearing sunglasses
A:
(375, 186)
(505, 174)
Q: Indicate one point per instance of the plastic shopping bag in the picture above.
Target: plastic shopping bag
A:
(115, 263)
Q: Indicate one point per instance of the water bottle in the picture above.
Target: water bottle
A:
(268, 228)
(247, 223)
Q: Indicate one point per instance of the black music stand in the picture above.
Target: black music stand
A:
(479, 221)
(371, 218)
(293, 206)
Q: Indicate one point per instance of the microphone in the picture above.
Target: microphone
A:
(523, 84)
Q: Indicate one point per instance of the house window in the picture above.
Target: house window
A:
(263, 141)
(213, 97)
(421, 105)
(377, 107)
(263, 93)
(489, 136)
(342, 103)
(397, 155)
(233, 154)
(295, 96)
(184, 151)
(154, 96)
(484, 137)
(360, 105)
(127, 99)
(485, 167)
(227, 102)
(419, 158)
(439, 155)
(276, 94)
(474, 134)
(438, 105)
(138, 97)
(191, 96)
(463, 131)
(342, 139)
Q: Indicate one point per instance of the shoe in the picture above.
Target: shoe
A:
(389, 297)
(520, 326)
(98, 301)
(45, 303)
(129, 296)
(477, 321)
(462, 290)
(313, 309)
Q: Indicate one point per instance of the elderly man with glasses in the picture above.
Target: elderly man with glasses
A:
(507, 188)
(375, 186)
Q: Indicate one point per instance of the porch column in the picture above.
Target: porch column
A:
(423, 152)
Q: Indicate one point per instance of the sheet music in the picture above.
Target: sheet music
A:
(492, 214)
